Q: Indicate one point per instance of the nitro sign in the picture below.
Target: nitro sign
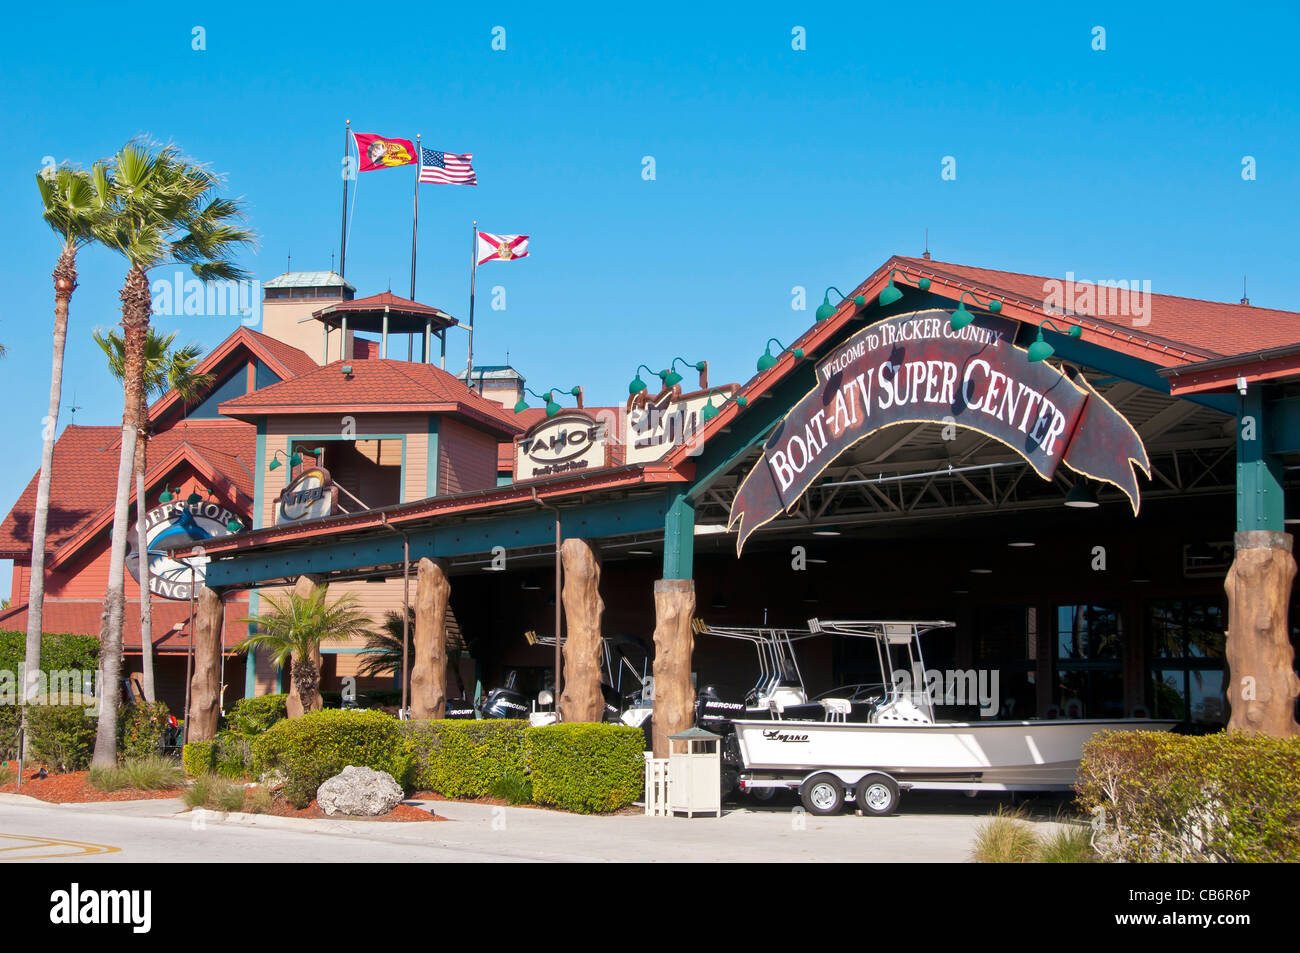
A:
(310, 496)
(916, 369)
(175, 534)
(565, 443)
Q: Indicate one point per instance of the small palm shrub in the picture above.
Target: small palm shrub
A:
(513, 788)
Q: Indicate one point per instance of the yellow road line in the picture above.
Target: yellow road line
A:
(78, 848)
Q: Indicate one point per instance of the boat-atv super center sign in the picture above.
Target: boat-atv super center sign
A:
(916, 369)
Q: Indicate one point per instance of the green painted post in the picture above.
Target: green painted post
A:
(679, 538)
(1259, 470)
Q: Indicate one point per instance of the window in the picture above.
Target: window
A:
(1185, 674)
(1089, 662)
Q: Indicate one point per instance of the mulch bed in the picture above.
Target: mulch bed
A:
(401, 813)
(74, 788)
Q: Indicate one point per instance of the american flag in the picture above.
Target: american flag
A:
(446, 168)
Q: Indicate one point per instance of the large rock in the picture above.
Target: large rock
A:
(363, 792)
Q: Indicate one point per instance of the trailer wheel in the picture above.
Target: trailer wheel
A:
(822, 795)
(877, 795)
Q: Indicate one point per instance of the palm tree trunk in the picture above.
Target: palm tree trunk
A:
(135, 326)
(306, 680)
(65, 282)
(142, 547)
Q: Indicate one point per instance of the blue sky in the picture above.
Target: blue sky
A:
(774, 167)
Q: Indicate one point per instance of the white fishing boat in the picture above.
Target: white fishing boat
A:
(871, 747)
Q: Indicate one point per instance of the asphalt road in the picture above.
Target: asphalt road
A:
(934, 829)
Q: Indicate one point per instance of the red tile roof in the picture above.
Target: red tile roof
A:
(295, 360)
(83, 479)
(82, 617)
(374, 386)
(1216, 328)
(386, 301)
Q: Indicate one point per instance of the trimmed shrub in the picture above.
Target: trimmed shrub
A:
(63, 736)
(457, 758)
(253, 716)
(586, 768)
(312, 749)
(59, 653)
(141, 727)
(232, 755)
(1155, 796)
(199, 758)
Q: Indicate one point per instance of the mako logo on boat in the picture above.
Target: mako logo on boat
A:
(951, 687)
(775, 734)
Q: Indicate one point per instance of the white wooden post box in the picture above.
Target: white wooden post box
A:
(695, 772)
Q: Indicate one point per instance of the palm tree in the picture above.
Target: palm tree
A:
(294, 628)
(164, 213)
(73, 205)
(166, 369)
(383, 655)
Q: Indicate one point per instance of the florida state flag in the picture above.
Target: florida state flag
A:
(381, 152)
(501, 247)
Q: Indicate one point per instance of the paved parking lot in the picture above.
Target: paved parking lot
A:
(932, 828)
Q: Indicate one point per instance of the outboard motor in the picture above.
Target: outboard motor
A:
(460, 709)
(714, 714)
(505, 702)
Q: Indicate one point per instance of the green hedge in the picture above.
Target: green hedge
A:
(253, 716)
(199, 758)
(461, 758)
(1155, 796)
(312, 749)
(140, 729)
(63, 736)
(586, 768)
(62, 652)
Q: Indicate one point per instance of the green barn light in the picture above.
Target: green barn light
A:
(711, 410)
(638, 385)
(1040, 350)
(827, 309)
(767, 361)
(961, 317)
(167, 495)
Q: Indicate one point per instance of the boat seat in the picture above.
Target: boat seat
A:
(837, 709)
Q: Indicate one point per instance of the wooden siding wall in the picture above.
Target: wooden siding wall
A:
(467, 458)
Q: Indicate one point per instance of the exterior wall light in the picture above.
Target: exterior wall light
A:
(638, 385)
(961, 317)
(675, 378)
(711, 410)
(294, 459)
(552, 406)
(891, 292)
(167, 495)
(826, 309)
(1040, 350)
(767, 361)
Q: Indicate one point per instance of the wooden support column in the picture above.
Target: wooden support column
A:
(674, 642)
(1262, 684)
(205, 684)
(429, 670)
(294, 705)
(582, 699)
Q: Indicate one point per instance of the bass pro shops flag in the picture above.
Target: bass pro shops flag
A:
(501, 247)
(381, 152)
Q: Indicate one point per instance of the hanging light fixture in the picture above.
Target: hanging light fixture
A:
(552, 406)
(1040, 350)
(1082, 496)
(675, 378)
(826, 309)
(294, 459)
(711, 410)
(167, 495)
(767, 361)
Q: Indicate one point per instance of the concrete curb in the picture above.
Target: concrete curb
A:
(24, 799)
(241, 819)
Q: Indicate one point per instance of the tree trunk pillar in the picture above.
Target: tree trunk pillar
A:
(293, 705)
(1262, 684)
(429, 669)
(674, 709)
(583, 607)
(205, 684)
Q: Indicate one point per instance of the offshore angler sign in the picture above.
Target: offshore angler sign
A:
(916, 369)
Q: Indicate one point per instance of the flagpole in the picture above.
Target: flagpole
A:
(415, 215)
(473, 268)
(343, 237)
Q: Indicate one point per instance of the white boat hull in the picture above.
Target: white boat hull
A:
(1016, 754)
